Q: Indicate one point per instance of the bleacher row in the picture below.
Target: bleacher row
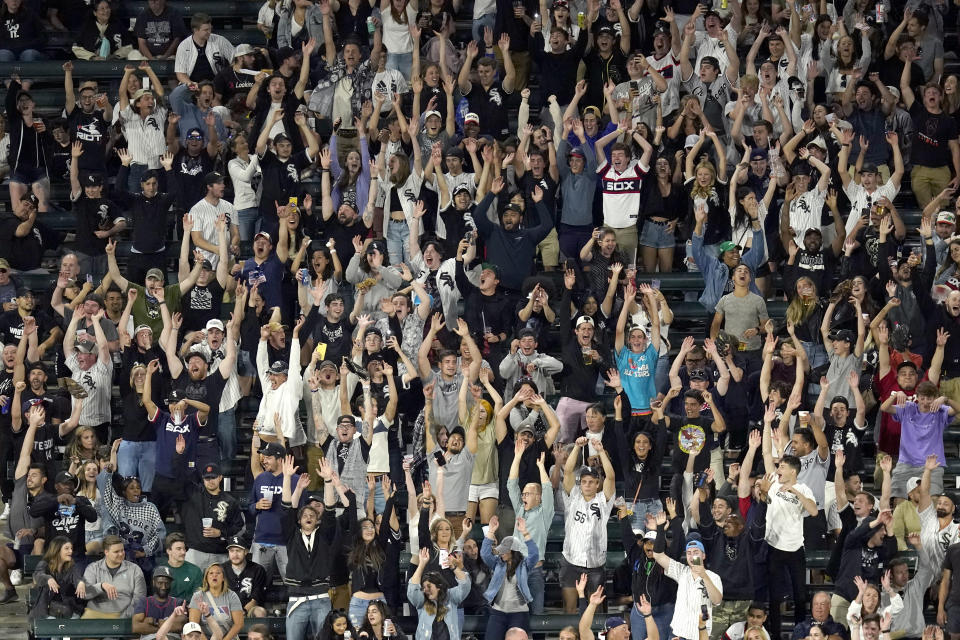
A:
(235, 19)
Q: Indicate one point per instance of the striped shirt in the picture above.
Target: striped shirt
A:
(205, 216)
(231, 391)
(146, 139)
(98, 381)
(621, 194)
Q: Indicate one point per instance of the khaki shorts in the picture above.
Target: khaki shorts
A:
(90, 614)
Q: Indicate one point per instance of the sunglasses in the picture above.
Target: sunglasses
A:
(194, 136)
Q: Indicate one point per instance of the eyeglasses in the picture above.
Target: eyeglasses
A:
(528, 494)
(194, 136)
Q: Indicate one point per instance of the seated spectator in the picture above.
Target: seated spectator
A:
(203, 55)
(186, 576)
(159, 29)
(215, 603)
(151, 612)
(103, 37)
(245, 578)
(113, 585)
(60, 582)
(23, 34)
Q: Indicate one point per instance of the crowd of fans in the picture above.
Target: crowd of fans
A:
(437, 265)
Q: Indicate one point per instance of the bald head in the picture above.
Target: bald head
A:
(516, 633)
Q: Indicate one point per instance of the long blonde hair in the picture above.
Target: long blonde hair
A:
(703, 192)
(799, 309)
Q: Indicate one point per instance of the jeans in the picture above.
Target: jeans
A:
(358, 610)
(398, 241)
(264, 555)
(538, 585)
(306, 619)
(27, 55)
(136, 174)
(138, 459)
(227, 433)
(204, 560)
(487, 20)
(401, 62)
(499, 622)
(572, 237)
(662, 615)
(795, 563)
(249, 222)
(641, 508)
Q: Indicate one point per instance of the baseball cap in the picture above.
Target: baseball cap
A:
(453, 152)
(818, 142)
(215, 323)
(758, 154)
(471, 117)
(191, 627)
(236, 541)
(606, 30)
(728, 245)
(510, 543)
(175, 395)
(65, 477)
(695, 544)
(24, 291)
(142, 327)
(947, 216)
(662, 28)
(274, 449)
(913, 483)
(613, 622)
(650, 535)
(327, 363)
(490, 266)
(867, 167)
(93, 180)
(577, 152)
(214, 177)
(243, 50)
(812, 230)
(4, 264)
(461, 188)
(589, 471)
(376, 245)
(211, 470)
(86, 346)
(278, 367)
(432, 112)
(264, 235)
(583, 320)
(156, 274)
(140, 93)
(162, 572)
(280, 137)
(526, 427)
(801, 168)
(690, 141)
(841, 334)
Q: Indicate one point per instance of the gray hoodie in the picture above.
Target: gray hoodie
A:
(128, 580)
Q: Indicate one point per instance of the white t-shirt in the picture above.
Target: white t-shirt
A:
(785, 517)
(585, 528)
(860, 199)
(691, 596)
(396, 35)
(935, 540)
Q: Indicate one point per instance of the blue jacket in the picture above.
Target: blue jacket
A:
(191, 116)
(455, 598)
(500, 570)
(716, 274)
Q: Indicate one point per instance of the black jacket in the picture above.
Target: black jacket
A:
(731, 558)
(649, 578)
(65, 521)
(222, 508)
(308, 572)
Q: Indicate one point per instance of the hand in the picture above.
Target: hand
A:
(644, 606)
(886, 464)
(181, 445)
(597, 597)
(76, 150)
(931, 463)
(109, 589)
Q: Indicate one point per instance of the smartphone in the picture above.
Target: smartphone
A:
(442, 556)
(438, 456)
(655, 283)
(701, 479)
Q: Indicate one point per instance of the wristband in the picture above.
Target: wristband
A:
(333, 250)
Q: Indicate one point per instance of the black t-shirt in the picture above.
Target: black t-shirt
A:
(490, 105)
(190, 172)
(549, 188)
(201, 69)
(440, 631)
(228, 83)
(160, 31)
(11, 326)
(6, 389)
(688, 434)
(952, 562)
(59, 161)
(25, 253)
(281, 181)
(343, 236)
(93, 132)
(201, 304)
(528, 471)
(931, 137)
(136, 425)
(207, 390)
(94, 215)
(336, 335)
(599, 70)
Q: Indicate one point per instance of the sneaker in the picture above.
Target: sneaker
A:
(6, 512)
(16, 577)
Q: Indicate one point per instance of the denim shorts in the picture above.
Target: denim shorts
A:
(28, 175)
(655, 235)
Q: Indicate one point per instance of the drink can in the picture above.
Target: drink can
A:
(386, 625)
(581, 19)
(723, 4)
(881, 13)
(371, 27)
